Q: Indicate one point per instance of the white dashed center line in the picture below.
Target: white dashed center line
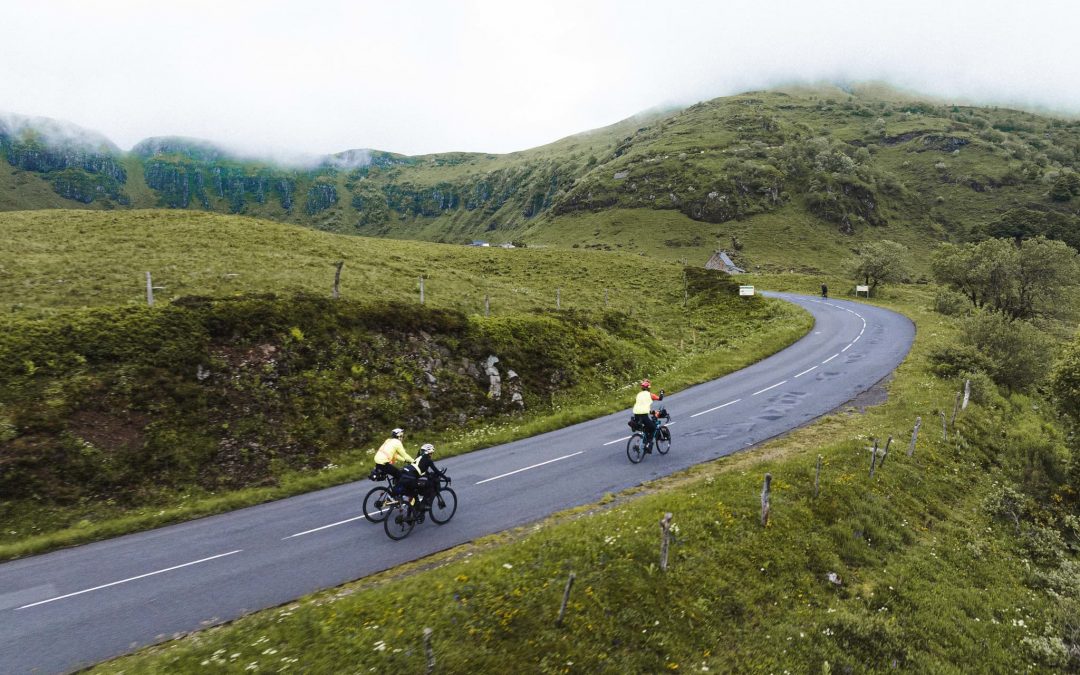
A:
(768, 388)
(511, 473)
(717, 407)
(316, 529)
(124, 581)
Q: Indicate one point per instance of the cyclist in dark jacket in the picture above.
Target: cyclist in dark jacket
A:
(426, 469)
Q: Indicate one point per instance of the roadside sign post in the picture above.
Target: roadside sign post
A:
(746, 290)
(862, 289)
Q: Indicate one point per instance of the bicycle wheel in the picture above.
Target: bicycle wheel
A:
(399, 521)
(663, 440)
(444, 507)
(375, 504)
(635, 450)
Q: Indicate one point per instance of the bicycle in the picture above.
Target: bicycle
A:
(638, 446)
(378, 500)
(405, 514)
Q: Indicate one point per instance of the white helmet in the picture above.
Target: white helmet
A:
(427, 448)
(396, 433)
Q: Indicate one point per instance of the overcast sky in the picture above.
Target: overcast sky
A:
(420, 76)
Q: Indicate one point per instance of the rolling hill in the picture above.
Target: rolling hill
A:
(818, 169)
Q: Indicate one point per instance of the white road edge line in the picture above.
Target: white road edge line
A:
(617, 440)
(806, 371)
(716, 408)
(829, 359)
(123, 581)
(847, 348)
(768, 388)
(340, 522)
(573, 454)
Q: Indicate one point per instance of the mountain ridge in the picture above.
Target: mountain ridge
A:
(857, 161)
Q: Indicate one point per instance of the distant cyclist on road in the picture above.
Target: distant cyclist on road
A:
(642, 408)
(390, 451)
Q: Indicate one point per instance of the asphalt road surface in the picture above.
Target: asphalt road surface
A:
(76, 607)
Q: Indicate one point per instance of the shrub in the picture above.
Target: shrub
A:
(951, 303)
(1015, 352)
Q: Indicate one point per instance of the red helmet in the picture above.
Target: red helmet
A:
(645, 384)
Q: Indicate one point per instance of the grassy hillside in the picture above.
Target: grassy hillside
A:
(826, 168)
(246, 381)
(959, 558)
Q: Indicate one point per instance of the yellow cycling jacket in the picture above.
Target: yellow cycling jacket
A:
(390, 451)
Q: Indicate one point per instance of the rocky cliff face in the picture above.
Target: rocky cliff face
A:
(80, 165)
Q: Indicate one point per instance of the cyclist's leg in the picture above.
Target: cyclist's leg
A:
(650, 431)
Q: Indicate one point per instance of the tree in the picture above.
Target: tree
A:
(1065, 187)
(1020, 279)
(880, 262)
(1065, 382)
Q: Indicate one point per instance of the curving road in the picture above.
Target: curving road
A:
(76, 607)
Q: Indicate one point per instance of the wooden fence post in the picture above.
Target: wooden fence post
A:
(337, 279)
(944, 430)
(565, 599)
(873, 458)
(955, 408)
(665, 539)
(885, 454)
(149, 291)
(967, 394)
(914, 436)
(429, 651)
(421, 289)
(765, 500)
(817, 476)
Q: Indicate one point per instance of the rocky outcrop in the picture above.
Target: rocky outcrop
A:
(177, 183)
(79, 167)
(320, 197)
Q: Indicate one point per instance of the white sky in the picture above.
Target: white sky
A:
(420, 76)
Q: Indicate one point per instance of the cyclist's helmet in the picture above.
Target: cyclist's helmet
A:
(645, 384)
(396, 433)
(427, 448)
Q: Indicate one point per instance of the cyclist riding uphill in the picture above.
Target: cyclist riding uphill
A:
(642, 408)
(424, 468)
(390, 451)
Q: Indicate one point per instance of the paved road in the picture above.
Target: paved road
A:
(75, 607)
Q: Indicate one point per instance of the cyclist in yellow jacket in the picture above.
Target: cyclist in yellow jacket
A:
(390, 451)
(642, 408)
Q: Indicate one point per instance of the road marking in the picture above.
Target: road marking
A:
(621, 439)
(124, 581)
(340, 522)
(856, 338)
(806, 371)
(716, 408)
(573, 454)
(768, 388)
(829, 359)
(847, 348)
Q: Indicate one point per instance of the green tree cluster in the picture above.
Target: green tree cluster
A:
(1020, 279)
(880, 262)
